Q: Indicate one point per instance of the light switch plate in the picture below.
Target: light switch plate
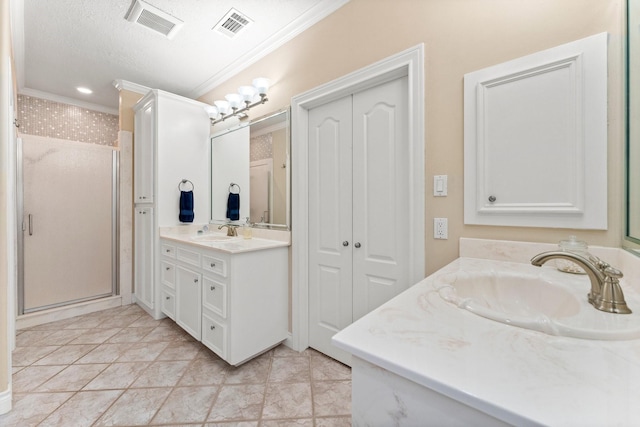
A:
(440, 185)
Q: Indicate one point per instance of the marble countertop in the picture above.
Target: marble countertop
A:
(233, 245)
(520, 376)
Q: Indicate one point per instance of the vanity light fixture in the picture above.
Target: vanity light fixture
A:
(237, 104)
(84, 90)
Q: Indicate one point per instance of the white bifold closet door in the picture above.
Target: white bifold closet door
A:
(68, 228)
(359, 186)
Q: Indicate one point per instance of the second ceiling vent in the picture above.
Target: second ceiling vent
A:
(232, 23)
(153, 18)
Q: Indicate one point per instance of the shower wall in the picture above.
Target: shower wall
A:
(42, 117)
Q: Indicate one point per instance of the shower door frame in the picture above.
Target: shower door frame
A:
(22, 226)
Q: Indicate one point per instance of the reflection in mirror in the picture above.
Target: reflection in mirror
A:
(256, 157)
(633, 122)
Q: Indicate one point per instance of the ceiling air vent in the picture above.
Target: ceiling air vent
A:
(153, 18)
(232, 23)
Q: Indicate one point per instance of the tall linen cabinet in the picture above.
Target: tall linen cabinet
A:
(171, 144)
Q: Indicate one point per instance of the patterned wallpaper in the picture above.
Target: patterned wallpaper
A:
(55, 120)
(260, 147)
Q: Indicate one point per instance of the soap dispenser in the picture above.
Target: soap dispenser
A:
(246, 229)
(578, 247)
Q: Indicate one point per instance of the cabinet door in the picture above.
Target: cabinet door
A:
(169, 303)
(189, 300)
(143, 154)
(143, 256)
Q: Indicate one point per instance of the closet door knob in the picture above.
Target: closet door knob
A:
(357, 245)
(345, 243)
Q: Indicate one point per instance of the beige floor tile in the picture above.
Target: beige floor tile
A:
(119, 321)
(284, 351)
(147, 322)
(130, 335)
(205, 372)
(25, 356)
(162, 374)
(166, 333)
(334, 422)
(180, 350)
(32, 338)
(142, 352)
(63, 337)
(134, 407)
(31, 377)
(289, 369)
(118, 375)
(105, 353)
(81, 410)
(287, 400)
(55, 326)
(29, 409)
(325, 368)
(66, 355)
(255, 371)
(186, 405)
(304, 422)
(233, 424)
(73, 378)
(96, 336)
(238, 402)
(332, 398)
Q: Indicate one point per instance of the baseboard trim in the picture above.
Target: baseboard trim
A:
(5, 401)
(60, 313)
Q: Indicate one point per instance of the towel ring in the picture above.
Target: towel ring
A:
(185, 181)
(233, 184)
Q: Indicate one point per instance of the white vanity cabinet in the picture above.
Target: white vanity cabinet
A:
(143, 255)
(236, 304)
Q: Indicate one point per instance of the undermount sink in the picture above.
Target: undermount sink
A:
(211, 237)
(545, 302)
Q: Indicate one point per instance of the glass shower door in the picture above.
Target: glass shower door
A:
(68, 228)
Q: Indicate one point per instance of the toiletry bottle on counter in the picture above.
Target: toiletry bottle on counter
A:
(246, 229)
(576, 246)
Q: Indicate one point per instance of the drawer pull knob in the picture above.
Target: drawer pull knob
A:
(195, 280)
(213, 264)
(213, 288)
(168, 250)
(168, 268)
(168, 297)
(212, 327)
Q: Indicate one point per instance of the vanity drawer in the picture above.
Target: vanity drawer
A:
(169, 303)
(168, 274)
(189, 256)
(214, 265)
(168, 250)
(214, 296)
(214, 335)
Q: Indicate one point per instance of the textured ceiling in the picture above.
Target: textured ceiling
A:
(62, 44)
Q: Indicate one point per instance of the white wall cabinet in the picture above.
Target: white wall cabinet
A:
(171, 143)
(235, 304)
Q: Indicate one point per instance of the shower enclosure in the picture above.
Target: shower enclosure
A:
(68, 199)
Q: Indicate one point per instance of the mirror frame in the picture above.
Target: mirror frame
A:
(630, 242)
(287, 111)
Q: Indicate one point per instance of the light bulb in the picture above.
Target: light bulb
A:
(262, 85)
(212, 111)
(235, 100)
(223, 106)
(247, 92)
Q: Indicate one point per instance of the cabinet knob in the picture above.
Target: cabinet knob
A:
(492, 199)
(213, 264)
(168, 298)
(213, 288)
(195, 280)
(212, 327)
(357, 245)
(168, 250)
(168, 268)
(345, 243)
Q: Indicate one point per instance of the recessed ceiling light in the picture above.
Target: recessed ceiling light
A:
(84, 90)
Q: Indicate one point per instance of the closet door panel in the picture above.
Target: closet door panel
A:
(330, 213)
(381, 186)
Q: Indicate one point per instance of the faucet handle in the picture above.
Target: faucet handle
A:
(614, 273)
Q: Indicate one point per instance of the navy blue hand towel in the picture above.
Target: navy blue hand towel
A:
(186, 206)
(233, 206)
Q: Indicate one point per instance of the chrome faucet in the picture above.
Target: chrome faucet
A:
(231, 229)
(606, 293)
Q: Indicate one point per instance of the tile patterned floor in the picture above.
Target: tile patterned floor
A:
(120, 367)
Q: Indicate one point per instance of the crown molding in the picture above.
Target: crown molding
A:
(65, 100)
(304, 22)
(130, 86)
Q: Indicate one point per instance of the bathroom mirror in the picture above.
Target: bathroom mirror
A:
(633, 123)
(253, 160)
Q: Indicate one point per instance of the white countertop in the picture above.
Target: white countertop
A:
(233, 245)
(520, 376)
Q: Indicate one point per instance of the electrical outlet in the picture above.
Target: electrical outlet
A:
(440, 228)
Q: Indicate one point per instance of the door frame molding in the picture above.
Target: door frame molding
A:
(408, 63)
